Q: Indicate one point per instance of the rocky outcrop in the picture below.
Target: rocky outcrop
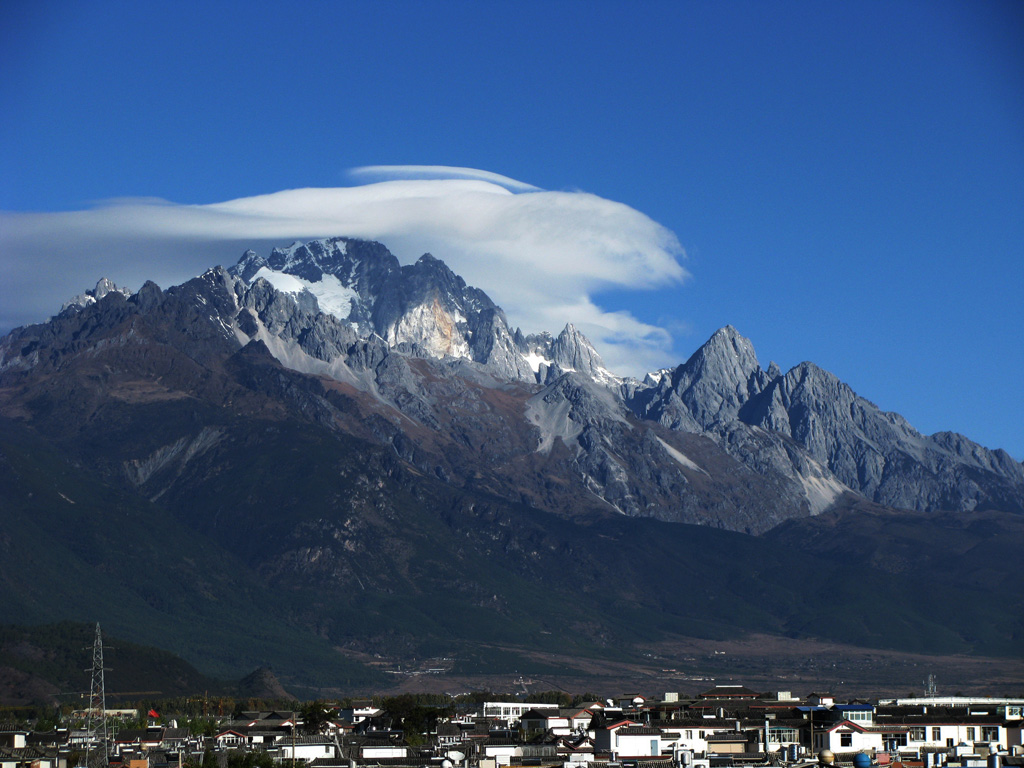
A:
(808, 425)
(878, 454)
(423, 305)
(433, 370)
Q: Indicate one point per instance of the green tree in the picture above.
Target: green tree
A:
(315, 716)
(249, 759)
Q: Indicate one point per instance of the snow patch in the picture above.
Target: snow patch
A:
(534, 359)
(332, 297)
(281, 281)
(603, 376)
(653, 378)
(681, 457)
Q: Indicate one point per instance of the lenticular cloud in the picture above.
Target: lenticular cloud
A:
(539, 254)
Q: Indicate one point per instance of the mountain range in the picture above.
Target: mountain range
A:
(319, 456)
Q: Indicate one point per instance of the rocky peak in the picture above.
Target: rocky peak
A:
(720, 377)
(430, 278)
(103, 287)
(362, 265)
(804, 404)
(727, 352)
(423, 306)
(247, 266)
(572, 351)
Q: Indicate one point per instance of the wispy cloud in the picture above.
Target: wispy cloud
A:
(540, 254)
(371, 173)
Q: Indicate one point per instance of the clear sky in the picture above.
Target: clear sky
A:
(844, 181)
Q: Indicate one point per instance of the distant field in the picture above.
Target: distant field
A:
(762, 662)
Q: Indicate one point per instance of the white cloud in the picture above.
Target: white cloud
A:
(371, 173)
(539, 254)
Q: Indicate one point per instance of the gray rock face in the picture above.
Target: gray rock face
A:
(82, 300)
(719, 378)
(423, 305)
(879, 454)
(431, 368)
(811, 427)
(492, 344)
(571, 351)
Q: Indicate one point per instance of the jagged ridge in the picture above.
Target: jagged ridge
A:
(792, 443)
(288, 432)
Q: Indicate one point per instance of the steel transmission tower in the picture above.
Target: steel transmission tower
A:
(96, 714)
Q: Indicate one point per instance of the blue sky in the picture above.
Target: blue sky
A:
(843, 180)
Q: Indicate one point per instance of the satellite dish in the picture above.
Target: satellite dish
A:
(455, 756)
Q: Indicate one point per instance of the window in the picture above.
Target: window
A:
(970, 733)
(689, 734)
(845, 739)
(916, 733)
(949, 742)
(936, 733)
(990, 733)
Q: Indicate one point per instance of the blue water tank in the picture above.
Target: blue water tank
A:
(861, 760)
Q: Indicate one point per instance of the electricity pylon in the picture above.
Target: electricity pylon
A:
(96, 714)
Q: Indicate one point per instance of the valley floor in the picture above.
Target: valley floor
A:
(761, 662)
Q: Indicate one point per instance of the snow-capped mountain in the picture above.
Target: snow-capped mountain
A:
(84, 299)
(355, 428)
(421, 343)
(422, 305)
(721, 392)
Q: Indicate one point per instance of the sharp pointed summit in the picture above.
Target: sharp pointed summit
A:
(719, 378)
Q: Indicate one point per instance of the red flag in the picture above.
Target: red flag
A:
(152, 713)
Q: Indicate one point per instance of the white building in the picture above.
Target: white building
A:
(847, 736)
(512, 710)
(545, 720)
(626, 739)
(945, 735)
(307, 748)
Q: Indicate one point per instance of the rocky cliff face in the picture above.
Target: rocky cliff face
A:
(433, 370)
(879, 454)
(810, 426)
(423, 306)
(374, 442)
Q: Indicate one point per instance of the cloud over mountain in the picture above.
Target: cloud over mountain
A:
(541, 254)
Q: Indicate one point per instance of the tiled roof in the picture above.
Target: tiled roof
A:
(640, 730)
(728, 692)
(27, 753)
